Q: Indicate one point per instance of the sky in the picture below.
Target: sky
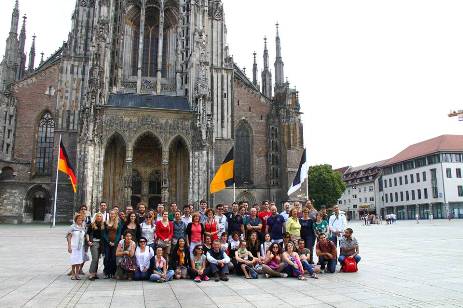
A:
(373, 76)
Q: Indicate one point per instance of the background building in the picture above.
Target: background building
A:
(148, 103)
(423, 179)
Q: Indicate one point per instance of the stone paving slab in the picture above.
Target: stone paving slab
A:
(403, 265)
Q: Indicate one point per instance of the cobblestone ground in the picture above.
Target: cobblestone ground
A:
(403, 265)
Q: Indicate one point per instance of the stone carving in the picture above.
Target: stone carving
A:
(216, 9)
(102, 29)
(87, 3)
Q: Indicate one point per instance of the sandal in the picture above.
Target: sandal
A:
(73, 278)
(78, 278)
(301, 278)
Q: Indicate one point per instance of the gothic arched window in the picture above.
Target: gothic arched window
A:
(45, 142)
(243, 155)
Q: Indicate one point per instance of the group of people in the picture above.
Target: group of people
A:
(161, 245)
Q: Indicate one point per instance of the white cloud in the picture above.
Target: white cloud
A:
(373, 76)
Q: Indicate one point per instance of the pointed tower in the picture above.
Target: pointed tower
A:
(22, 56)
(31, 66)
(254, 70)
(279, 65)
(10, 62)
(266, 74)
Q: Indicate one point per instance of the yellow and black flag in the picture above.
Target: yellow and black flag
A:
(225, 175)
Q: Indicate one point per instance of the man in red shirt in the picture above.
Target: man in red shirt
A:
(264, 214)
(327, 253)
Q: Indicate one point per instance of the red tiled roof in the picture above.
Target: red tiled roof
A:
(342, 170)
(444, 143)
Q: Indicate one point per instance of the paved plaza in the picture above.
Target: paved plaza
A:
(403, 265)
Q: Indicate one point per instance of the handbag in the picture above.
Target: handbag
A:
(349, 266)
(127, 264)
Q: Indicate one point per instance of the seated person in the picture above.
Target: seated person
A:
(349, 247)
(125, 253)
(218, 262)
(273, 264)
(245, 261)
(198, 265)
(143, 256)
(294, 266)
(161, 272)
(180, 259)
(304, 256)
(326, 252)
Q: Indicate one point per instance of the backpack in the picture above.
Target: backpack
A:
(349, 266)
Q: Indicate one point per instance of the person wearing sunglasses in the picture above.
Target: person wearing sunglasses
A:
(143, 256)
(198, 265)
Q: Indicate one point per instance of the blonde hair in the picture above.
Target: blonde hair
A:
(94, 226)
(77, 215)
(113, 223)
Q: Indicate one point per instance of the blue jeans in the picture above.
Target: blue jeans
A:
(214, 269)
(307, 266)
(342, 258)
(330, 263)
(157, 277)
(291, 271)
(138, 275)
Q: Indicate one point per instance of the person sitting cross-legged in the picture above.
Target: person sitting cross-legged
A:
(218, 262)
(304, 256)
(349, 247)
(246, 261)
(326, 252)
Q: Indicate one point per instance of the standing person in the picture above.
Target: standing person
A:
(122, 217)
(161, 272)
(198, 265)
(285, 212)
(159, 211)
(226, 210)
(83, 211)
(179, 227)
(264, 214)
(275, 225)
(286, 240)
(111, 236)
(164, 234)
(125, 257)
(298, 207)
(207, 244)
(273, 264)
(148, 229)
(417, 216)
(210, 226)
(246, 261)
(294, 266)
(320, 225)
(103, 210)
(132, 226)
(253, 223)
(195, 232)
(143, 256)
(180, 259)
(87, 221)
(293, 227)
(307, 232)
(95, 242)
(327, 253)
(173, 209)
(349, 247)
(336, 225)
(236, 221)
(141, 214)
(304, 255)
(323, 213)
(218, 262)
(76, 239)
(221, 220)
(186, 217)
(202, 211)
(312, 211)
(233, 210)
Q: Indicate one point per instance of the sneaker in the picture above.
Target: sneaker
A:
(206, 278)
(224, 278)
(107, 276)
(267, 275)
(216, 277)
(284, 275)
(314, 276)
(197, 279)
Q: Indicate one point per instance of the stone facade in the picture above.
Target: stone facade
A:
(148, 102)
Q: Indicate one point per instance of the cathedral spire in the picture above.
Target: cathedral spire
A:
(32, 55)
(22, 45)
(279, 65)
(266, 74)
(254, 70)
(15, 19)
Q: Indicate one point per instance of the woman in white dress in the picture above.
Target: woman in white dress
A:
(75, 238)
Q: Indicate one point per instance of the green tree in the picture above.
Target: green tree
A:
(325, 185)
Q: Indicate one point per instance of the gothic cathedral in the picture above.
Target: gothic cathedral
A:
(148, 102)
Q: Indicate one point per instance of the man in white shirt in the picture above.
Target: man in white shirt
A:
(221, 220)
(102, 210)
(285, 213)
(186, 218)
(337, 225)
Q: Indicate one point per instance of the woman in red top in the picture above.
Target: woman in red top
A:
(194, 232)
(211, 225)
(164, 233)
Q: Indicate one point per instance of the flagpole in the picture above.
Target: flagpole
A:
(234, 192)
(56, 183)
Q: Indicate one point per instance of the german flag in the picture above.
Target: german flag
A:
(64, 165)
(225, 175)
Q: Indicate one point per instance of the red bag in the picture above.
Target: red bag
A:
(349, 266)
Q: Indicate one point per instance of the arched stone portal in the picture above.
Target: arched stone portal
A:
(38, 203)
(146, 164)
(114, 164)
(179, 171)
